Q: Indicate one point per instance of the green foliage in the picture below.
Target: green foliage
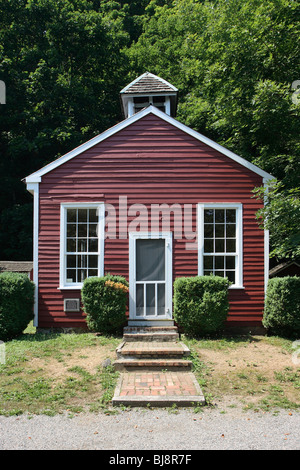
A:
(64, 63)
(105, 299)
(16, 304)
(282, 306)
(281, 215)
(201, 304)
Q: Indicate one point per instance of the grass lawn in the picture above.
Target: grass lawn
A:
(52, 373)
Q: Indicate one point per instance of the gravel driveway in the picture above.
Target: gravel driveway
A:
(156, 429)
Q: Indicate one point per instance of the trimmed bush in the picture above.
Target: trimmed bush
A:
(282, 306)
(201, 304)
(16, 304)
(104, 300)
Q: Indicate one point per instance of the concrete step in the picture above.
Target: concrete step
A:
(151, 333)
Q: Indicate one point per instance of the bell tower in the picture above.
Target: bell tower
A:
(148, 89)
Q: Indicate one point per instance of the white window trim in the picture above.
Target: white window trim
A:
(239, 238)
(133, 236)
(63, 225)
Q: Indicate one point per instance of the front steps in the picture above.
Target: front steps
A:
(155, 369)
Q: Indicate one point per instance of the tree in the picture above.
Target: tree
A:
(62, 63)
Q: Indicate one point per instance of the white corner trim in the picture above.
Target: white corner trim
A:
(36, 176)
(34, 189)
(266, 245)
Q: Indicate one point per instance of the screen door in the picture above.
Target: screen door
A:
(150, 286)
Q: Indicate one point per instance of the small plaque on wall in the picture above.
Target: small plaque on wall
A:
(71, 305)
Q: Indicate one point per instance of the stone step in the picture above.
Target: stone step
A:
(152, 349)
(152, 364)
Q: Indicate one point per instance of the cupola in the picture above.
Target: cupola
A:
(148, 89)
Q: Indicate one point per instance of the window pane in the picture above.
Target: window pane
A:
(93, 215)
(230, 246)
(220, 246)
(92, 272)
(82, 215)
(208, 231)
(71, 275)
(150, 260)
(71, 215)
(219, 216)
(150, 299)
(71, 244)
(93, 261)
(219, 262)
(82, 230)
(161, 299)
(230, 215)
(230, 262)
(82, 275)
(230, 230)
(93, 245)
(93, 230)
(71, 261)
(208, 262)
(82, 245)
(219, 273)
(219, 230)
(139, 299)
(208, 246)
(71, 230)
(209, 216)
(231, 276)
(82, 261)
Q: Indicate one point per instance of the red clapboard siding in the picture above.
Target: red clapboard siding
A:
(149, 162)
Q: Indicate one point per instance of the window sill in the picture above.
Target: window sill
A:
(74, 287)
(236, 287)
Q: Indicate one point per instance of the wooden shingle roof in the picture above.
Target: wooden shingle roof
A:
(149, 83)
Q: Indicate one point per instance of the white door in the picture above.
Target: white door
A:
(150, 277)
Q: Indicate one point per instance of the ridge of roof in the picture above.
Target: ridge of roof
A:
(36, 177)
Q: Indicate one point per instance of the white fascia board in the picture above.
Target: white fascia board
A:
(36, 177)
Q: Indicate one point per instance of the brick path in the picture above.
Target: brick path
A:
(152, 384)
(155, 371)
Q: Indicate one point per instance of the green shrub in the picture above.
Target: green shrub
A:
(282, 306)
(201, 304)
(16, 304)
(104, 300)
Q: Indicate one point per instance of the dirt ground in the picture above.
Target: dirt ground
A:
(243, 374)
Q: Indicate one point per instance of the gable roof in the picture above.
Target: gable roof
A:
(149, 83)
(36, 177)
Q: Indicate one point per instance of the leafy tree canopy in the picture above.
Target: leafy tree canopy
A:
(65, 61)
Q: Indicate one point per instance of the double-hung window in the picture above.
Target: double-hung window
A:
(220, 241)
(81, 244)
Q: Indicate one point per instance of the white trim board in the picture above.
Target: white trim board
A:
(36, 177)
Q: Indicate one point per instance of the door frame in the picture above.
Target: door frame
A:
(133, 236)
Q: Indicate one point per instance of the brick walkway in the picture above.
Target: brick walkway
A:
(158, 388)
(155, 372)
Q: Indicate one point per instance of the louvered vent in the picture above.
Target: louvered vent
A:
(71, 305)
